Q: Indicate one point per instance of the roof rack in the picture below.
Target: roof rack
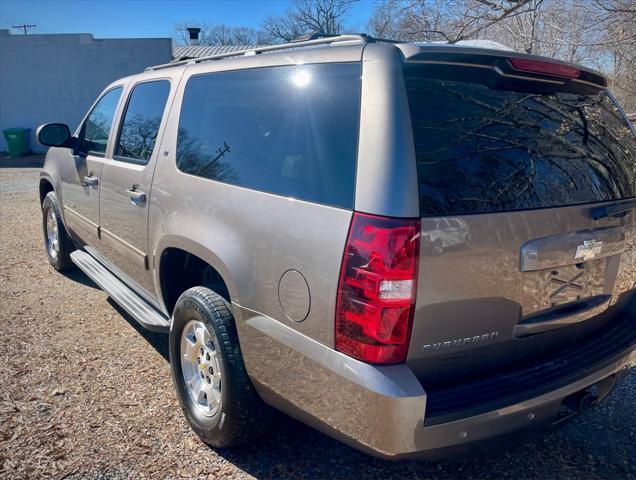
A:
(322, 40)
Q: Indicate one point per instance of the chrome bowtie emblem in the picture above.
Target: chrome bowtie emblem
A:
(589, 250)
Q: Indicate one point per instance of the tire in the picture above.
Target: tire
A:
(57, 242)
(240, 414)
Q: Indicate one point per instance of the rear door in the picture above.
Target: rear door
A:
(126, 182)
(534, 181)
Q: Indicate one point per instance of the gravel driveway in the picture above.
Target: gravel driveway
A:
(85, 393)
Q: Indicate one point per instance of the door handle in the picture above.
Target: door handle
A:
(89, 181)
(136, 197)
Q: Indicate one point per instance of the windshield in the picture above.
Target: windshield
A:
(481, 149)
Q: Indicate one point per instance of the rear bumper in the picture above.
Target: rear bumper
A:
(383, 410)
(537, 412)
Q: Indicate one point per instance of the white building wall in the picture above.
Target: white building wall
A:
(55, 78)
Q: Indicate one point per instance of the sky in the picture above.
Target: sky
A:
(148, 18)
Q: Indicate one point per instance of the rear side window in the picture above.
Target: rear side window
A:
(481, 149)
(141, 121)
(290, 131)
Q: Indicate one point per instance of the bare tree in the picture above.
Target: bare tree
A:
(600, 34)
(597, 33)
(180, 35)
(387, 20)
(445, 20)
(307, 17)
(220, 35)
(617, 6)
(619, 39)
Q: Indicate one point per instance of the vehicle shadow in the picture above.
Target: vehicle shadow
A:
(34, 160)
(80, 277)
(158, 341)
(293, 450)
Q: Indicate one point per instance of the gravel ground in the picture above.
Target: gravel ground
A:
(86, 393)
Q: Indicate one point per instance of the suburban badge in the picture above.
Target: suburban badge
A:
(460, 342)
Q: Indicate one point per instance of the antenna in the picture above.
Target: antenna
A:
(24, 27)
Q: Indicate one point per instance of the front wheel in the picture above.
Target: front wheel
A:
(57, 241)
(216, 394)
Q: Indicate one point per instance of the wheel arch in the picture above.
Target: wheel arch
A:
(45, 186)
(182, 263)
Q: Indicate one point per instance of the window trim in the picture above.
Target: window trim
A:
(82, 126)
(122, 119)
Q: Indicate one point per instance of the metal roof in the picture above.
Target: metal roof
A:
(239, 50)
(197, 51)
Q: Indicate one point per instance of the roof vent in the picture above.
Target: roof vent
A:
(194, 35)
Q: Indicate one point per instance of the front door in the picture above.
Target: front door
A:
(80, 185)
(126, 183)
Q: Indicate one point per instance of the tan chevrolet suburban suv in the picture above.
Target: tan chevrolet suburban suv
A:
(410, 247)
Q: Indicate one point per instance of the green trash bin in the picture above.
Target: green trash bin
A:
(19, 141)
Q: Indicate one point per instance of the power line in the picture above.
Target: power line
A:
(40, 25)
(24, 27)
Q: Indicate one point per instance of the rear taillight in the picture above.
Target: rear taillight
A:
(546, 68)
(376, 294)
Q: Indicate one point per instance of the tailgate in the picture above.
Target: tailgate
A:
(528, 204)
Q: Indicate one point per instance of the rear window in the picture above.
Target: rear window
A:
(481, 149)
(290, 131)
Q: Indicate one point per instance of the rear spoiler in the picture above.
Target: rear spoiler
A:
(505, 64)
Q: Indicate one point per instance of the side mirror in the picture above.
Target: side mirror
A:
(54, 135)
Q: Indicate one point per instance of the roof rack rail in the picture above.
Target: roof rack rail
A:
(314, 36)
(322, 40)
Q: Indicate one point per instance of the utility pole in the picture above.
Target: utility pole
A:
(24, 27)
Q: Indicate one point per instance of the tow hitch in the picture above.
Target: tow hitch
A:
(585, 399)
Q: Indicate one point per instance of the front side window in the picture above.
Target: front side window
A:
(96, 128)
(141, 121)
(290, 131)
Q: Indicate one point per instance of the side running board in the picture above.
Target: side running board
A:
(148, 316)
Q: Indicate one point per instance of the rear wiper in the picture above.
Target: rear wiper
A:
(612, 210)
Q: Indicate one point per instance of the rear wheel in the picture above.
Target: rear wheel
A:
(216, 394)
(57, 241)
